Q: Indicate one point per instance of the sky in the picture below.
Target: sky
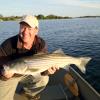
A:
(71, 8)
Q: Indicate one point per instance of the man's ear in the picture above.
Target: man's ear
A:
(36, 30)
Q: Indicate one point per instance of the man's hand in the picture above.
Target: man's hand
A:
(7, 75)
(51, 70)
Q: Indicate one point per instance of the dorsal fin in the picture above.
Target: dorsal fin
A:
(58, 51)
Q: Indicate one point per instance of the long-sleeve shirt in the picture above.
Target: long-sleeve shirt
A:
(9, 50)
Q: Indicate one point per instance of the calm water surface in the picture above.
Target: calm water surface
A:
(77, 37)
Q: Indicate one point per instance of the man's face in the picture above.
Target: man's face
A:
(27, 33)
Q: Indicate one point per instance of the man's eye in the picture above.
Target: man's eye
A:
(30, 28)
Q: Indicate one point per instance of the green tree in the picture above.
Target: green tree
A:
(40, 16)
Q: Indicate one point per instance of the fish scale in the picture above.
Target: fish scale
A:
(41, 62)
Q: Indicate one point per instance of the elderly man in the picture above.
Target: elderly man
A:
(26, 43)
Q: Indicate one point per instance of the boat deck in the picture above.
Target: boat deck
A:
(57, 90)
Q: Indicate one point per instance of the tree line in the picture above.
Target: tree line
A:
(40, 16)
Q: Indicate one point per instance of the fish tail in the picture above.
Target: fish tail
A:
(84, 61)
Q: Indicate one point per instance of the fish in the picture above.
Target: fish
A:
(42, 61)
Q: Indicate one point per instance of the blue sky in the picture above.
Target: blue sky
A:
(71, 8)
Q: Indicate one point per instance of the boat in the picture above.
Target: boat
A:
(62, 91)
(87, 92)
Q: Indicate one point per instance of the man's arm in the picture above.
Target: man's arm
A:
(4, 58)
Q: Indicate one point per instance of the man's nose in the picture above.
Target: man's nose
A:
(25, 30)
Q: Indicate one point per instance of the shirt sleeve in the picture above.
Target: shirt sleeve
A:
(5, 52)
(2, 59)
(2, 52)
(6, 48)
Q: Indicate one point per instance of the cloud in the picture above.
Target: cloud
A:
(90, 5)
(80, 3)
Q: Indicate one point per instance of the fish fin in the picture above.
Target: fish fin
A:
(59, 51)
(84, 61)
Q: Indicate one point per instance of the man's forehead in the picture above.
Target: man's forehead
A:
(25, 24)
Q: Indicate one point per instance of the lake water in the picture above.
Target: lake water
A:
(77, 37)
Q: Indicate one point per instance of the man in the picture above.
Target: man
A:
(26, 43)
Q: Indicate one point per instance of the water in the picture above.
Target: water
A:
(77, 37)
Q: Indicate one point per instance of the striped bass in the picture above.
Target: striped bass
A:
(41, 62)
